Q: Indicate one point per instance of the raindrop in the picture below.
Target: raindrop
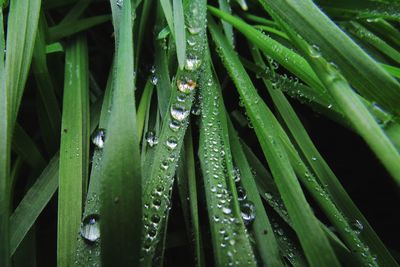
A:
(226, 210)
(186, 85)
(174, 125)
(315, 51)
(268, 196)
(179, 113)
(120, 3)
(241, 192)
(248, 212)
(194, 30)
(151, 138)
(98, 138)
(192, 63)
(171, 142)
(90, 228)
(358, 226)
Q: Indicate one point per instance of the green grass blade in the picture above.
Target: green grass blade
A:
(265, 239)
(33, 203)
(74, 149)
(168, 13)
(5, 147)
(121, 205)
(224, 211)
(315, 244)
(23, 17)
(370, 79)
(69, 28)
(52, 115)
(224, 5)
(144, 105)
(355, 110)
(160, 171)
(180, 32)
(394, 71)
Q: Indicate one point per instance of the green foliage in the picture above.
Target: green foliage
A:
(104, 103)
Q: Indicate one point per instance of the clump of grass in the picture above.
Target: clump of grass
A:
(104, 103)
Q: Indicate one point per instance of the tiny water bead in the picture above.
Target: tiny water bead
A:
(314, 51)
(186, 85)
(357, 226)
(248, 212)
(90, 228)
(179, 112)
(174, 125)
(120, 3)
(99, 137)
(241, 193)
(194, 30)
(151, 138)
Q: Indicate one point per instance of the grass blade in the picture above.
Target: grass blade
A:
(304, 222)
(180, 33)
(370, 79)
(121, 205)
(74, 149)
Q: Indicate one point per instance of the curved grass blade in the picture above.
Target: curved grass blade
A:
(161, 170)
(352, 107)
(121, 201)
(224, 211)
(267, 245)
(366, 75)
(74, 149)
(306, 225)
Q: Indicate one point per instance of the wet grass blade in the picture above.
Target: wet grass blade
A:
(161, 167)
(362, 72)
(74, 149)
(224, 212)
(267, 245)
(304, 222)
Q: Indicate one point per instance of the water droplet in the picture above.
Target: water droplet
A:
(192, 63)
(186, 85)
(151, 138)
(98, 138)
(248, 212)
(120, 3)
(171, 142)
(164, 165)
(226, 210)
(90, 228)
(196, 110)
(179, 112)
(194, 30)
(358, 226)
(268, 196)
(241, 192)
(315, 51)
(174, 125)
(236, 174)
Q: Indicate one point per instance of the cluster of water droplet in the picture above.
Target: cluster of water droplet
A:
(151, 138)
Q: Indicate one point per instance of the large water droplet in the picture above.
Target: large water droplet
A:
(179, 113)
(186, 85)
(99, 137)
(248, 212)
(151, 138)
(90, 228)
(192, 63)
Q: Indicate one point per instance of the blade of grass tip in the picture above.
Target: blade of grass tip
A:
(121, 200)
(180, 32)
(221, 196)
(353, 108)
(52, 115)
(23, 17)
(73, 150)
(66, 29)
(366, 36)
(370, 79)
(314, 242)
(394, 71)
(168, 13)
(5, 147)
(54, 48)
(161, 77)
(225, 6)
(267, 245)
(160, 173)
